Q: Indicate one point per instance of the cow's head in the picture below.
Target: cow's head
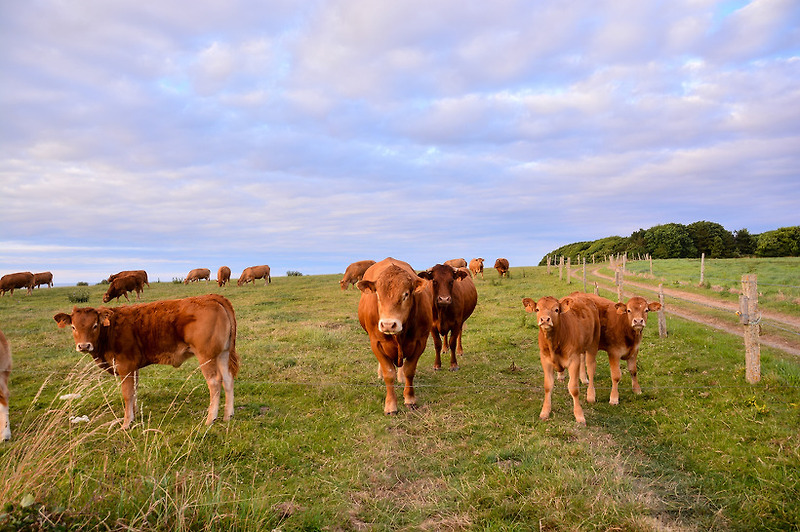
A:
(443, 277)
(394, 289)
(637, 309)
(344, 284)
(86, 325)
(548, 310)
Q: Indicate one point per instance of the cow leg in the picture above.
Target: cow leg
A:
(591, 368)
(616, 375)
(455, 335)
(437, 347)
(633, 370)
(409, 369)
(386, 370)
(574, 391)
(128, 388)
(547, 367)
(584, 378)
(227, 383)
(213, 380)
(5, 424)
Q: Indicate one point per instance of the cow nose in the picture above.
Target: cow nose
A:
(545, 321)
(638, 322)
(444, 300)
(85, 347)
(390, 326)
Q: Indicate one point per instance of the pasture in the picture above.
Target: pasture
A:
(310, 449)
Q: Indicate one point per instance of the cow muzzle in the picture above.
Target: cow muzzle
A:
(444, 301)
(390, 326)
(85, 347)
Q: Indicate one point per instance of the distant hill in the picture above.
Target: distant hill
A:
(673, 241)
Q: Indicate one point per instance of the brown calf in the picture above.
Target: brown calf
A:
(43, 278)
(141, 274)
(501, 265)
(354, 273)
(120, 286)
(456, 263)
(567, 328)
(476, 267)
(122, 340)
(12, 281)
(254, 272)
(198, 274)
(223, 275)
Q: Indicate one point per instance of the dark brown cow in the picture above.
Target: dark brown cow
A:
(122, 340)
(139, 273)
(12, 281)
(198, 274)
(223, 275)
(395, 309)
(621, 326)
(476, 267)
(354, 273)
(456, 263)
(43, 278)
(567, 328)
(454, 299)
(501, 265)
(5, 371)
(254, 272)
(120, 286)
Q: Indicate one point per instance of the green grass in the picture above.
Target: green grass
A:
(310, 449)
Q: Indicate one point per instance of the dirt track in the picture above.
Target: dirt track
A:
(771, 340)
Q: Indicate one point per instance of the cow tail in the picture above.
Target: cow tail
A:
(233, 356)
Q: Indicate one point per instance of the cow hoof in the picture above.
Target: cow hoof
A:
(437, 368)
(412, 406)
(392, 413)
(454, 368)
(581, 422)
(613, 401)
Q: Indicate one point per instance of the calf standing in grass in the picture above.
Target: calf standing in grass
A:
(567, 329)
(122, 340)
(120, 286)
(354, 273)
(198, 274)
(5, 371)
(223, 275)
(621, 326)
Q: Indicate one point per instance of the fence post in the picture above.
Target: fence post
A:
(569, 270)
(596, 289)
(561, 269)
(702, 268)
(584, 275)
(651, 264)
(548, 265)
(662, 318)
(750, 318)
(620, 275)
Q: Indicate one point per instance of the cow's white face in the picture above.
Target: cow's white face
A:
(395, 294)
(86, 326)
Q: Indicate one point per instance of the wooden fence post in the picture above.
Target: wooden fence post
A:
(548, 265)
(651, 264)
(561, 269)
(748, 312)
(569, 270)
(596, 289)
(702, 268)
(584, 275)
(662, 318)
(620, 275)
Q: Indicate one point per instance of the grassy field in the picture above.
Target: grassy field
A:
(310, 449)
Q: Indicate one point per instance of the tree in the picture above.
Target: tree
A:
(745, 242)
(783, 242)
(712, 239)
(670, 241)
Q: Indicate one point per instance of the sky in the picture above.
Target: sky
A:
(168, 135)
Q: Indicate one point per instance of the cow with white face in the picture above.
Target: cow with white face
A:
(396, 311)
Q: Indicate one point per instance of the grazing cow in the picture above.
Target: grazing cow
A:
(254, 272)
(396, 311)
(621, 326)
(122, 340)
(454, 299)
(456, 263)
(567, 328)
(501, 265)
(139, 273)
(354, 273)
(12, 281)
(198, 274)
(5, 371)
(223, 275)
(43, 278)
(476, 267)
(120, 286)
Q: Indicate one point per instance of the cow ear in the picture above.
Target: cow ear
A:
(105, 316)
(366, 287)
(566, 304)
(426, 274)
(622, 308)
(63, 319)
(655, 306)
(529, 304)
(460, 274)
(420, 285)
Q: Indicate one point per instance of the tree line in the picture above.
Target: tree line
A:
(676, 241)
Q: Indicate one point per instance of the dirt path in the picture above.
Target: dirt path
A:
(771, 340)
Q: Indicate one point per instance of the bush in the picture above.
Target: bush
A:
(292, 273)
(79, 296)
(82, 283)
(177, 280)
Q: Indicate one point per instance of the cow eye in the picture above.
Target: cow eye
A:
(628, 311)
(73, 328)
(646, 310)
(405, 296)
(556, 310)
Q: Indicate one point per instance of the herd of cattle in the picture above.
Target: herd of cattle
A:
(398, 308)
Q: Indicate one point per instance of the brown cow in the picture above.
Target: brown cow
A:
(501, 265)
(456, 263)
(5, 371)
(354, 273)
(198, 274)
(122, 340)
(254, 272)
(120, 286)
(567, 328)
(12, 281)
(43, 278)
(476, 267)
(223, 275)
(396, 311)
(139, 273)
(454, 299)
(621, 326)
